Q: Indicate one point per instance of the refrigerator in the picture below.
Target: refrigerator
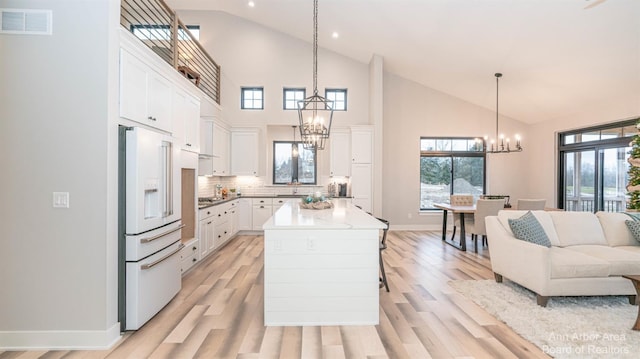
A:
(149, 224)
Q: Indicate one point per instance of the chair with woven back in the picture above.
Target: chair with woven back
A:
(461, 200)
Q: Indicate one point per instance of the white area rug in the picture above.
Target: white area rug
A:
(569, 327)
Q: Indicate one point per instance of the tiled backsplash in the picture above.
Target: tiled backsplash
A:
(251, 186)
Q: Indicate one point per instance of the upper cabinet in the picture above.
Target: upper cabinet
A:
(245, 152)
(186, 120)
(339, 150)
(214, 157)
(361, 144)
(145, 95)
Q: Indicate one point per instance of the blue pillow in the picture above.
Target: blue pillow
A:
(634, 227)
(527, 228)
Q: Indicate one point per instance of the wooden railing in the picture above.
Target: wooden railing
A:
(158, 27)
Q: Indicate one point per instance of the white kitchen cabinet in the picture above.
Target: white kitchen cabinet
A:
(189, 255)
(362, 185)
(234, 217)
(145, 95)
(214, 157)
(339, 150)
(262, 211)
(245, 214)
(220, 151)
(361, 144)
(245, 152)
(206, 230)
(186, 120)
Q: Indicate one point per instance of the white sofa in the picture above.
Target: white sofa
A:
(588, 254)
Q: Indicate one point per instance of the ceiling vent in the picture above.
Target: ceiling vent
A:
(26, 21)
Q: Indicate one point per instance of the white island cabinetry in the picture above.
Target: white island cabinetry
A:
(321, 266)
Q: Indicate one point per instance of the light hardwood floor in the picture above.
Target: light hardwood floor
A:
(219, 313)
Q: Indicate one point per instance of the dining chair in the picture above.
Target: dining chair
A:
(484, 208)
(461, 200)
(531, 204)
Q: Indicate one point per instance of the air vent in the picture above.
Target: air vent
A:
(26, 21)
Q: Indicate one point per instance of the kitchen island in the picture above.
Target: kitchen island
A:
(321, 266)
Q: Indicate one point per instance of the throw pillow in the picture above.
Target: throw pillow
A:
(634, 227)
(527, 228)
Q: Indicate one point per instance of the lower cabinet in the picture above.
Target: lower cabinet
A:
(262, 211)
(206, 230)
(217, 225)
(245, 214)
(189, 255)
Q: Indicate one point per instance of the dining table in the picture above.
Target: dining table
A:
(461, 211)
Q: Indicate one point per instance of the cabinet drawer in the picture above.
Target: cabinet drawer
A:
(262, 201)
(188, 262)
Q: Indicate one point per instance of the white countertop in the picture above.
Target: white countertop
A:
(343, 215)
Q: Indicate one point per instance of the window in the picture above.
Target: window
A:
(291, 96)
(293, 164)
(339, 98)
(593, 167)
(450, 166)
(252, 98)
(163, 32)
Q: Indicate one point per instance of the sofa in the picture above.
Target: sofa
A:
(587, 256)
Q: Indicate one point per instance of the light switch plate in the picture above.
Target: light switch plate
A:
(60, 199)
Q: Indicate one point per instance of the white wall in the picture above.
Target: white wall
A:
(542, 175)
(411, 111)
(252, 55)
(58, 266)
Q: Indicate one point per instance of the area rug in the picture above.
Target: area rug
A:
(569, 327)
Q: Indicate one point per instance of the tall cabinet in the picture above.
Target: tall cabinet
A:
(362, 167)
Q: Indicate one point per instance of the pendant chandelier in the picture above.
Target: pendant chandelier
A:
(499, 144)
(315, 113)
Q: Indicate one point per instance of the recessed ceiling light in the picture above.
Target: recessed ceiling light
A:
(251, 4)
(335, 35)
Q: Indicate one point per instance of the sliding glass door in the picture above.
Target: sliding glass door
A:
(593, 169)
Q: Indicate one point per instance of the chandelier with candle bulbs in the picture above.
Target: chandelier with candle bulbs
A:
(315, 113)
(500, 144)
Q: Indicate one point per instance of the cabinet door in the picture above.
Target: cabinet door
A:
(220, 151)
(245, 215)
(133, 88)
(260, 215)
(361, 145)
(244, 153)
(159, 100)
(361, 185)
(206, 137)
(340, 161)
(192, 124)
(206, 233)
(186, 120)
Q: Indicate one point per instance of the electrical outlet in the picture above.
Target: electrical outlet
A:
(311, 244)
(410, 215)
(277, 245)
(60, 199)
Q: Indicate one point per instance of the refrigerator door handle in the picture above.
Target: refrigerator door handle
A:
(151, 239)
(154, 263)
(168, 178)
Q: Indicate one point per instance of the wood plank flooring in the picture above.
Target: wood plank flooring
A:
(219, 313)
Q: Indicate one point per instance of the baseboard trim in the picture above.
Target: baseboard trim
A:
(60, 339)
